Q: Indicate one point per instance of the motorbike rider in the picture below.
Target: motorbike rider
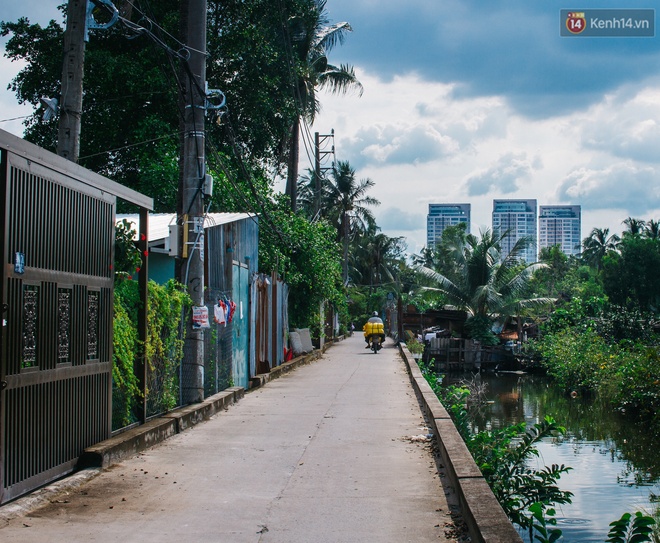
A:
(374, 326)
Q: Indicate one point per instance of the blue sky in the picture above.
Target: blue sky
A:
(469, 101)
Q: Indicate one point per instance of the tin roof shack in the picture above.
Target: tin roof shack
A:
(237, 239)
(247, 311)
(449, 320)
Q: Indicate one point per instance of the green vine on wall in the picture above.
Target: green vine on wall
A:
(167, 307)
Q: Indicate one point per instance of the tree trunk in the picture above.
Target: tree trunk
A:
(292, 173)
(345, 242)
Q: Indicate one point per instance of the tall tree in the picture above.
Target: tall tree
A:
(346, 206)
(652, 229)
(130, 113)
(634, 227)
(485, 287)
(130, 123)
(556, 269)
(597, 245)
(311, 38)
(446, 254)
(376, 258)
(630, 276)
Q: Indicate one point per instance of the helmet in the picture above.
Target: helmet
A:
(375, 313)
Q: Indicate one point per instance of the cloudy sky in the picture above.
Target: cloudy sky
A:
(467, 101)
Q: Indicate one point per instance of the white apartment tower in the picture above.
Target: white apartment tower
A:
(518, 217)
(562, 226)
(443, 215)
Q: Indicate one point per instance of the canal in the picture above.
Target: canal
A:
(616, 463)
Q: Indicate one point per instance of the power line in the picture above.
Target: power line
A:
(15, 119)
(131, 145)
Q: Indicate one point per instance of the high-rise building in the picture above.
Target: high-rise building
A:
(443, 215)
(562, 226)
(518, 218)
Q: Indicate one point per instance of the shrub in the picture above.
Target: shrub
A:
(635, 385)
(124, 351)
(577, 360)
(164, 347)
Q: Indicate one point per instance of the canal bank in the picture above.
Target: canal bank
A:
(485, 518)
(616, 466)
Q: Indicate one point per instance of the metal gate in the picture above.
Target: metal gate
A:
(57, 292)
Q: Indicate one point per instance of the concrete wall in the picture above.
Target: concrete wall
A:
(485, 518)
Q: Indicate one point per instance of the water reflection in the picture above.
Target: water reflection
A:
(616, 463)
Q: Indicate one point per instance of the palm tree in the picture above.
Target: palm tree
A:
(652, 229)
(311, 38)
(306, 199)
(345, 206)
(485, 287)
(443, 257)
(376, 258)
(635, 227)
(597, 245)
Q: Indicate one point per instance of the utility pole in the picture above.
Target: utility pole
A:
(319, 170)
(189, 203)
(68, 138)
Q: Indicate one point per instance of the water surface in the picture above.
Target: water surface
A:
(616, 463)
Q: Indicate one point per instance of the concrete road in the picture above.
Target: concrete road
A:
(323, 454)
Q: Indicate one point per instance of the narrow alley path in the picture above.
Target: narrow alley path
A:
(323, 454)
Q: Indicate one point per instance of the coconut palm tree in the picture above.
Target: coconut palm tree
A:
(486, 288)
(376, 258)
(311, 38)
(346, 206)
(652, 229)
(634, 227)
(597, 245)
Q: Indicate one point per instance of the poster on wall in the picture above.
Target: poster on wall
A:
(200, 317)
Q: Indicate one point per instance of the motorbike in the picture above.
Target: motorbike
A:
(375, 343)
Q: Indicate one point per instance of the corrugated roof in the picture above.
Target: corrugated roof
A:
(159, 222)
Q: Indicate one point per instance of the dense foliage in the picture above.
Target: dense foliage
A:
(602, 337)
(134, 75)
(474, 275)
(308, 258)
(164, 348)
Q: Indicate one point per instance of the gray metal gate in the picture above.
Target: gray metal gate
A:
(57, 292)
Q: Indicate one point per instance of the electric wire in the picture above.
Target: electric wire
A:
(151, 20)
(15, 119)
(131, 145)
(238, 193)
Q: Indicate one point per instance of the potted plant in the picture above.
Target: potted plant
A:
(415, 347)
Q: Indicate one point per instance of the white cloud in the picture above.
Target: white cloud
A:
(623, 185)
(626, 126)
(11, 112)
(421, 144)
(506, 176)
(404, 144)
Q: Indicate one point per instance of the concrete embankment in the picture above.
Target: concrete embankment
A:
(484, 516)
